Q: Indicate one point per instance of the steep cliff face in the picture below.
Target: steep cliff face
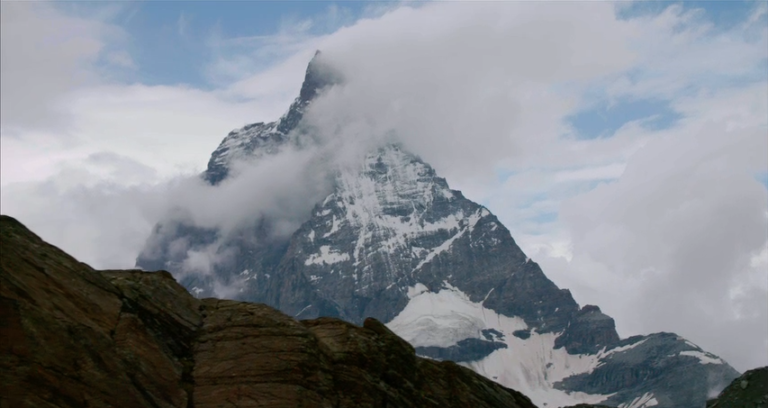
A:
(392, 241)
(75, 337)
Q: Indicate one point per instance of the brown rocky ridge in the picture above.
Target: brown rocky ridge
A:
(76, 337)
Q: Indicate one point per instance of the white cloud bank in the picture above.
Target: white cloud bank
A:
(676, 241)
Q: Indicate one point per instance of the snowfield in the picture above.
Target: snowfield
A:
(531, 366)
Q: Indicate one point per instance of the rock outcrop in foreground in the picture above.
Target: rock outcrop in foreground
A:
(76, 337)
(748, 391)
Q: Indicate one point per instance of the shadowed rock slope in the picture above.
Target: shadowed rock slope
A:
(76, 337)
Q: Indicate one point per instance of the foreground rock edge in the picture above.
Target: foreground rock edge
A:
(749, 390)
(74, 336)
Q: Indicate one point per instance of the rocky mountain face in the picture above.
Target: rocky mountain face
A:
(77, 337)
(392, 241)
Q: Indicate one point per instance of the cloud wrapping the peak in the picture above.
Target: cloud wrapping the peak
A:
(282, 188)
(467, 86)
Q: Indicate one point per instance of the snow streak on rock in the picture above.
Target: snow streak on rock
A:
(645, 401)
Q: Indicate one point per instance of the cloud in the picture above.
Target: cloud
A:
(469, 86)
(607, 172)
(683, 51)
(282, 188)
(45, 54)
(104, 224)
(61, 103)
(171, 129)
(685, 226)
(121, 59)
(156, 123)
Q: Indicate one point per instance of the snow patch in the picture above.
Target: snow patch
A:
(302, 310)
(704, 358)
(366, 197)
(446, 245)
(531, 366)
(603, 354)
(385, 203)
(690, 343)
(647, 400)
(416, 290)
(334, 227)
(438, 250)
(326, 257)
(486, 295)
(474, 218)
(442, 319)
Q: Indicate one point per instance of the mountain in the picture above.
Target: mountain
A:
(76, 337)
(392, 241)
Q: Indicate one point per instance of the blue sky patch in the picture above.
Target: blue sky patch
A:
(545, 218)
(763, 178)
(723, 13)
(172, 41)
(604, 119)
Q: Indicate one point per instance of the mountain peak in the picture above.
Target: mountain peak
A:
(259, 139)
(392, 241)
(320, 74)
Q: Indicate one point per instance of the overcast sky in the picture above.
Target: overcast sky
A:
(624, 145)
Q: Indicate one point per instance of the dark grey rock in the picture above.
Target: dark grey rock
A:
(492, 334)
(464, 351)
(654, 364)
(522, 334)
(589, 331)
(749, 390)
